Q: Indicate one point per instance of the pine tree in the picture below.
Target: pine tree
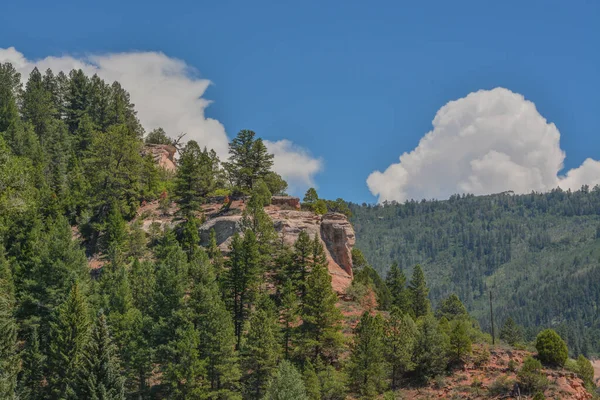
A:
(261, 349)
(242, 279)
(287, 384)
(419, 293)
(116, 234)
(194, 179)
(30, 383)
(431, 347)
(400, 337)
(321, 329)
(258, 221)
(511, 332)
(311, 382)
(396, 282)
(184, 369)
(142, 282)
(37, 105)
(298, 270)
(216, 257)
(217, 336)
(249, 160)
(10, 87)
(70, 335)
(135, 337)
(460, 342)
(101, 378)
(9, 355)
(289, 315)
(190, 238)
(367, 361)
(452, 308)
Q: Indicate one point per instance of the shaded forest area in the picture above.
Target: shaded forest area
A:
(538, 253)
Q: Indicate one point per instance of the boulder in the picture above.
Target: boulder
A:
(287, 201)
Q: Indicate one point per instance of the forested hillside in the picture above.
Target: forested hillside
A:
(539, 255)
(96, 302)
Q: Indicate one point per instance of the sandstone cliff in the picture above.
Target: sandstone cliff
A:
(162, 154)
(334, 230)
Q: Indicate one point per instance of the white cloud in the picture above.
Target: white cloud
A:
(487, 142)
(168, 93)
(294, 163)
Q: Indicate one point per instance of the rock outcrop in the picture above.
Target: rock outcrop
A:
(338, 235)
(334, 231)
(286, 201)
(162, 154)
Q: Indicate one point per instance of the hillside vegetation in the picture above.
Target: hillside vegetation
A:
(539, 255)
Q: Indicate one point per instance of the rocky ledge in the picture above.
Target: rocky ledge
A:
(333, 229)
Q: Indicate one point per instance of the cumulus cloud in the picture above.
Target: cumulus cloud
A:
(168, 93)
(487, 142)
(288, 158)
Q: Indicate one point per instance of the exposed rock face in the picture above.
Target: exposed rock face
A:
(224, 227)
(338, 235)
(334, 230)
(163, 155)
(292, 202)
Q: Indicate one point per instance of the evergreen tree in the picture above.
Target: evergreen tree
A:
(400, 295)
(249, 160)
(367, 361)
(258, 221)
(311, 382)
(10, 87)
(77, 100)
(242, 279)
(321, 329)
(552, 349)
(310, 197)
(37, 105)
(216, 257)
(289, 315)
(9, 355)
(101, 378)
(184, 369)
(299, 267)
(419, 293)
(460, 342)
(286, 384)
(452, 308)
(30, 382)
(511, 332)
(116, 234)
(136, 343)
(190, 238)
(261, 349)
(70, 335)
(142, 283)
(194, 179)
(400, 338)
(114, 171)
(217, 336)
(431, 348)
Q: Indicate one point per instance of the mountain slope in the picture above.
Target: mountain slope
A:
(539, 254)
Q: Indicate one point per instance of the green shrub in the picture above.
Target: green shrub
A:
(530, 376)
(539, 396)
(512, 366)
(482, 357)
(552, 350)
(585, 370)
(501, 386)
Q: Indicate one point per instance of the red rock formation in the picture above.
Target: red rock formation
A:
(292, 202)
(163, 155)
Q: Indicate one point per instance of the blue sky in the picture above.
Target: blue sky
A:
(356, 83)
